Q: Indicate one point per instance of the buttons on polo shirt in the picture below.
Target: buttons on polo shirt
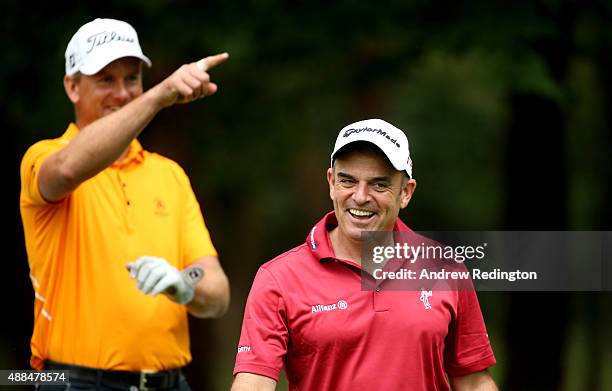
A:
(381, 300)
(123, 185)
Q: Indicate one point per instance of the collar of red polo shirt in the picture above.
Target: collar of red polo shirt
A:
(319, 242)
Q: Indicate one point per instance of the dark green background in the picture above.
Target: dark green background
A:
(506, 105)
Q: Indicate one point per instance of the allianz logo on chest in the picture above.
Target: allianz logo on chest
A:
(340, 305)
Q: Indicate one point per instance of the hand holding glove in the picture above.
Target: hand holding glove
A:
(155, 275)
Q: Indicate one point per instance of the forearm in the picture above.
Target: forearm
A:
(252, 382)
(96, 147)
(479, 381)
(212, 293)
(104, 140)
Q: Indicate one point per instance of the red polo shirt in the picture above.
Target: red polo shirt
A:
(307, 312)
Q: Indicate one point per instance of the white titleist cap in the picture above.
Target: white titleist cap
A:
(100, 42)
(389, 139)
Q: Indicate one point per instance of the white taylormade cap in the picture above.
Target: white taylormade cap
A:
(100, 42)
(389, 139)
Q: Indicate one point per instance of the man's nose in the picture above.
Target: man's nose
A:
(362, 193)
(121, 92)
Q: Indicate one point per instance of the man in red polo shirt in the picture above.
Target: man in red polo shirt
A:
(308, 313)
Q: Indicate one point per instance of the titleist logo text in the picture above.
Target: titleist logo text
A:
(104, 37)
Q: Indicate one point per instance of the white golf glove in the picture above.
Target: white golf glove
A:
(155, 275)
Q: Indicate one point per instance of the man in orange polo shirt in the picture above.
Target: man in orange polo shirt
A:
(110, 228)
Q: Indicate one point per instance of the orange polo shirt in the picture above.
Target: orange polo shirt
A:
(87, 310)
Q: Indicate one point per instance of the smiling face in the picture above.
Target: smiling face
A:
(95, 96)
(367, 193)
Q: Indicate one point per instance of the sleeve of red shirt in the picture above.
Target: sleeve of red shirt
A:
(468, 349)
(264, 336)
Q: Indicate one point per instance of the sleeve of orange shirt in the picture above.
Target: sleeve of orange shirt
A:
(30, 169)
(195, 238)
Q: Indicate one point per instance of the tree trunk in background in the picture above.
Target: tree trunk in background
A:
(536, 201)
(598, 310)
(199, 373)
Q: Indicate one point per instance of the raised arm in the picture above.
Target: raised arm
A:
(103, 141)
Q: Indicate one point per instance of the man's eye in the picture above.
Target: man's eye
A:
(380, 186)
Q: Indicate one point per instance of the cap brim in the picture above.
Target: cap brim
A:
(399, 166)
(92, 69)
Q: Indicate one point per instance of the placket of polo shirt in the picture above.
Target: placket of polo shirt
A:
(352, 267)
(134, 156)
(127, 200)
(382, 299)
(380, 302)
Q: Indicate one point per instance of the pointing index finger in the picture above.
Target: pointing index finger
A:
(211, 61)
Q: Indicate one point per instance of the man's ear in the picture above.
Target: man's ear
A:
(408, 188)
(331, 181)
(71, 85)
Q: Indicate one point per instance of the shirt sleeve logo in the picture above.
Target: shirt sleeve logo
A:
(242, 349)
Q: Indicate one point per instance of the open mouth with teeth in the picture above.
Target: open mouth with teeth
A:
(361, 214)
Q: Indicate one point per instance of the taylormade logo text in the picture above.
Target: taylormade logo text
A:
(381, 132)
(341, 304)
